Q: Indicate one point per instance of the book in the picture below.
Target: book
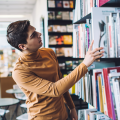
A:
(98, 25)
(106, 71)
(115, 82)
(71, 15)
(59, 40)
(51, 3)
(62, 65)
(68, 65)
(71, 4)
(67, 39)
(118, 29)
(59, 4)
(100, 93)
(69, 28)
(51, 15)
(58, 15)
(63, 28)
(56, 28)
(66, 4)
(60, 52)
(101, 2)
(50, 28)
(68, 52)
(75, 64)
(65, 15)
(52, 40)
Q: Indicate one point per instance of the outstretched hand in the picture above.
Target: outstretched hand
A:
(92, 55)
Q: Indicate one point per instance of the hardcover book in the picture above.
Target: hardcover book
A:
(98, 27)
(68, 65)
(56, 28)
(58, 15)
(60, 52)
(51, 3)
(59, 4)
(66, 4)
(51, 15)
(69, 28)
(50, 28)
(65, 16)
(63, 28)
(52, 40)
(67, 39)
(71, 4)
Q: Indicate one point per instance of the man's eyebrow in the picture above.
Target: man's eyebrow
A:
(32, 33)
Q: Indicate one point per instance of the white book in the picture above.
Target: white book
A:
(102, 117)
(86, 89)
(87, 111)
(94, 91)
(76, 88)
(112, 34)
(104, 96)
(114, 77)
(92, 114)
(118, 33)
(98, 27)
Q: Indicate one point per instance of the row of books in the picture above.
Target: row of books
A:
(60, 28)
(63, 51)
(91, 114)
(60, 15)
(69, 65)
(102, 90)
(60, 4)
(84, 7)
(60, 40)
(104, 29)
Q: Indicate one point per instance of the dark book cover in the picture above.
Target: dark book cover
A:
(58, 15)
(51, 15)
(59, 4)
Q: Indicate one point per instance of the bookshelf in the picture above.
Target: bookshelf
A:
(61, 22)
(99, 74)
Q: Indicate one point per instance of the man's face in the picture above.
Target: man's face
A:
(34, 41)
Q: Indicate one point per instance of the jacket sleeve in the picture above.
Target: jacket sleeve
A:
(33, 83)
(67, 96)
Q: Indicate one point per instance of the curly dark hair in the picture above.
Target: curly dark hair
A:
(17, 33)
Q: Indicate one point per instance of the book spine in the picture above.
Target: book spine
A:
(109, 107)
(79, 42)
(117, 96)
(104, 96)
(118, 21)
(113, 111)
(97, 96)
(100, 94)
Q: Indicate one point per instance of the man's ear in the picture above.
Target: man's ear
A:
(22, 46)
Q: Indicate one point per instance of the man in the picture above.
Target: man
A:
(37, 73)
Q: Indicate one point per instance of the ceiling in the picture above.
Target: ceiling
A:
(16, 7)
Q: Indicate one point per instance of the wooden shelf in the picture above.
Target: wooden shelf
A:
(59, 22)
(60, 9)
(60, 33)
(60, 45)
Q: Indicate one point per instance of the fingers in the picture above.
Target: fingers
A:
(90, 47)
(99, 56)
(96, 49)
(98, 53)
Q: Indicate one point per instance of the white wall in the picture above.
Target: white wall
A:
(40, 10)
